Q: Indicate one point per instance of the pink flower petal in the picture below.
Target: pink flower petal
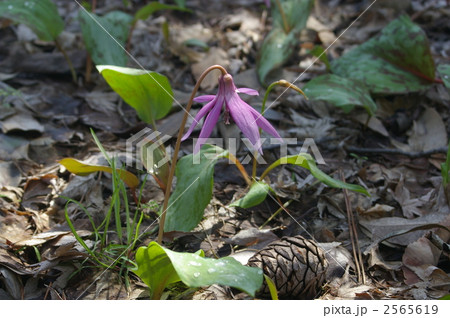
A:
(209, 124)
(264, 123)
(248, 91)
(244, 119)
(202, 112)
(204, 98)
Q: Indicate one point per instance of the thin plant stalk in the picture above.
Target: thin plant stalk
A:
(283, 207)
(240, 167)
(66, 57)
(282, 83)
(88, 71)
(177, 148)
(286, 27)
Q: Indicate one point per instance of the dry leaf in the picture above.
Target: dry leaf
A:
(212, 57)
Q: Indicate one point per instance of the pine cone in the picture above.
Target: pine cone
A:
(295, 264)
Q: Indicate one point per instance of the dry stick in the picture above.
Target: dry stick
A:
(177, 148)
(354, 237)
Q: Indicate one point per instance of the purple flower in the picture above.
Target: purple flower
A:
(267, 3)
(246, 118)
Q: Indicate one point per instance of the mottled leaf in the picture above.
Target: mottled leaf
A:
(444, 70)
(276, 49)
(193, 190)
(340, 92)
(159, 266)
(296, 13)
(105, 36)
(396, 61)
(40, 15)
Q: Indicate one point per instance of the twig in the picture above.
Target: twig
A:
(354, 237)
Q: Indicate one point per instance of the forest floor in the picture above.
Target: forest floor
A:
(45, 117)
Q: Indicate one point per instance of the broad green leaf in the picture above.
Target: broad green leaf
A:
(397, 61)
(444, 70)
(340, 92)
(306, 161)
(40, 15)
(193, 190)
(154, 6)
(158, 267)
(105, 36)
(155, 268)
(83, 169)
(257, 194)
(276, 49)
(147, 92)
(296, 12)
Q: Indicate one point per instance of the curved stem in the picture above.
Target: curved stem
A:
(283, 83)
(263, 108)
(286, 27)
(240, 167)
(264, 174)
(177, 148)
(66, 57)
(282, 207)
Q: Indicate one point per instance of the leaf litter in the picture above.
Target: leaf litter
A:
(47, 119)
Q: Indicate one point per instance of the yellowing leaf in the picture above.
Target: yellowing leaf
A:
(83, 169)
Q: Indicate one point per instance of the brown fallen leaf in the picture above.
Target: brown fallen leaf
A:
(212, 57)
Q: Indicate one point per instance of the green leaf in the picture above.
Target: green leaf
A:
(158, 267)
(181, 3)
(193, 190)
(257, 194)
(105, 36)
(84, 169)
(444, 70)
(154, 6)
(397, 61)
(197, 43)
(276, 49)
(155, 268)
(340, 92)
(296, 12)
(306, 161)
(147, 92)
(319, 52)
(40, 15)
(272, 287)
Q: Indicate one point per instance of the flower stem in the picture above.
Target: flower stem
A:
(177, 148)
(283, 83)
(286, 27)
(240, 167)
(282, 207)
(66, 57)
